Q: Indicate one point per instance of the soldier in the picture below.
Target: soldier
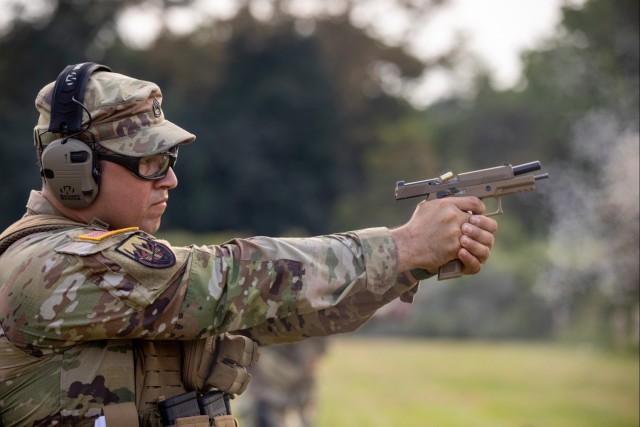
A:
(282, 392)
(98, 318)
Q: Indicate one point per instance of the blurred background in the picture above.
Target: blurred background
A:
(307, 112)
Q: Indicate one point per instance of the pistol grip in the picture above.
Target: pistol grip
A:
(450, 270)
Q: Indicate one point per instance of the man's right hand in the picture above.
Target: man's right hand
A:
(445, 229)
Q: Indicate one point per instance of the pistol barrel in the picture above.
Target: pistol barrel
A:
(527, 167)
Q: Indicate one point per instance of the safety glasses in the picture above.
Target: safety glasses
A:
(148, 168)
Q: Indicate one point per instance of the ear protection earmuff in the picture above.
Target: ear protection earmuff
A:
(69, 166)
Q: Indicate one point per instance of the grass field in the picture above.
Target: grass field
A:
(415, 383)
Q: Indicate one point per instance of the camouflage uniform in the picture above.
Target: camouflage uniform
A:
(282, 392)
(73, 301)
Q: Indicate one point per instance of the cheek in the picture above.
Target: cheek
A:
(122, 195)
(119, 192)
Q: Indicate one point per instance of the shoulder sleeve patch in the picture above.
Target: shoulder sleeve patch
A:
(146, 251)
(96, 236)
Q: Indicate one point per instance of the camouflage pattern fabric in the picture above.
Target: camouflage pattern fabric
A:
(283, 387)
(126, 116)
(72, 301)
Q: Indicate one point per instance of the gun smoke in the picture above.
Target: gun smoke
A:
(594, 243)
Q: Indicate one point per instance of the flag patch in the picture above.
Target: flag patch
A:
(147, 252)
(96, 236)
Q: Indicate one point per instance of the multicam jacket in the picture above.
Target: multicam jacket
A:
(73, 300)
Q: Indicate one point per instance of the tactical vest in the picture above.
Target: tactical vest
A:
(182, 383)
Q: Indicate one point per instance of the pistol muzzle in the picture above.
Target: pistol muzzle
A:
(527, 167)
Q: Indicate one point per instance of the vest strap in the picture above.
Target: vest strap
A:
(121, 414)
(33, 224)
(195, 421)
(225, 421)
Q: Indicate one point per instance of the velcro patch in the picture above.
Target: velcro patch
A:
(147, 252)
(96, 236)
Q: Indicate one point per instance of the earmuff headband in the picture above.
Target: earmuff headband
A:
(68, 94)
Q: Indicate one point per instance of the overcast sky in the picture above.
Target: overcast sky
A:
(496, 30)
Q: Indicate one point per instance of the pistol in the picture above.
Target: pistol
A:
(492, 183)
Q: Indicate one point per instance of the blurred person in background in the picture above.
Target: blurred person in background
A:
(282, 392)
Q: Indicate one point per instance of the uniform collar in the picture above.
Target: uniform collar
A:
(38, 205)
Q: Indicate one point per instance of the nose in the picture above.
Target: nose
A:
(169, 181)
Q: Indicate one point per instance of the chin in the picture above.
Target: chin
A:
(151, 228)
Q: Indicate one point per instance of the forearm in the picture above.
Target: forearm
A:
(257, 279)
(346, 316)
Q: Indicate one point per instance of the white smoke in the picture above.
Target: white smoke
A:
(595, 201)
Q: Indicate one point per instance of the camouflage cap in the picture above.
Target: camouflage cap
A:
(126, 116)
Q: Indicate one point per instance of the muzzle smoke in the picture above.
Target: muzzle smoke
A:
(596, 218)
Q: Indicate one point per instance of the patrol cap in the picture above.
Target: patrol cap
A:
(126, 116)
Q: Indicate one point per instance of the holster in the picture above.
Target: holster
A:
(219, 362)
(175, 379)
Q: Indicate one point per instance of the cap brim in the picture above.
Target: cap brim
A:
(149, 140)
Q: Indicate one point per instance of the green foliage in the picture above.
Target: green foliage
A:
(404, 151)
(186, 238)
(267, 140)
(500, 303)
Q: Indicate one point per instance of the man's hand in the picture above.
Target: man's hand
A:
(443, 230)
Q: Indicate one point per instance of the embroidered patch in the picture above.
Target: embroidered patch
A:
(96, 236)
(147, 252)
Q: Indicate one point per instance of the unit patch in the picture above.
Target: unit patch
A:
(96, 236)
(147, 252)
